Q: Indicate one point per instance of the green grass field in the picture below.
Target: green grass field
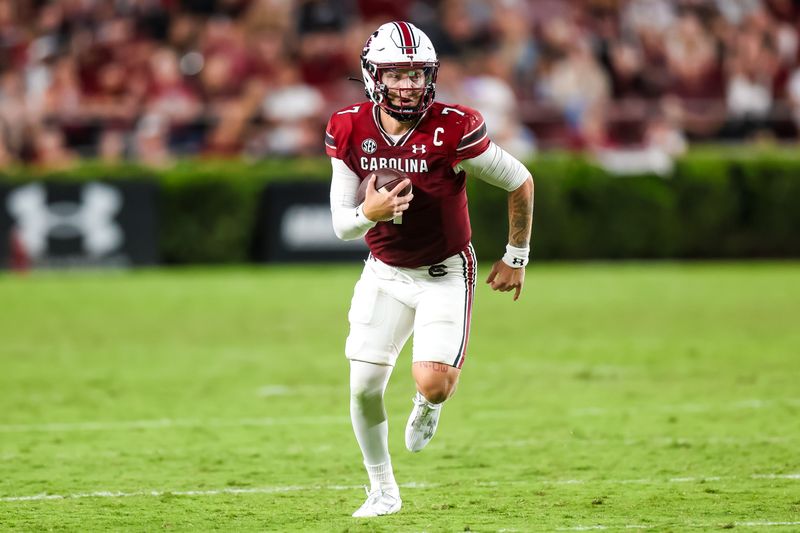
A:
(653, 396)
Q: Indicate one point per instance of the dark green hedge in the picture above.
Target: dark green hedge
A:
(717, 204)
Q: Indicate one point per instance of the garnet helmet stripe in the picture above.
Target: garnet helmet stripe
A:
(407, 37)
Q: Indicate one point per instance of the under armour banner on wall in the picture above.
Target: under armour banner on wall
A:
(94, 224)
(294, 224)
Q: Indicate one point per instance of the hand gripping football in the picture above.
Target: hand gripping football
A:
(387, 178)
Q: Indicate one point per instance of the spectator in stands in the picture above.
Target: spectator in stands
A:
(214, 73)
(793, 92)
(638, 62)
(276, 15)
(697, 87)
(50, 150)
(151, 141)
(7, 157)
(13, 113)
(648, 16)
(486, 89)
(578, 85)
(460, 27)
(225, 82)
(290, 110)
(665, 136)
(321, 55)
(226, 68)
(174, 99)
(627, 71)
(634, 93)
(752, 67)
(736, 11)
(112, 146)
(266, 48)
(63, 98)
(515, 44)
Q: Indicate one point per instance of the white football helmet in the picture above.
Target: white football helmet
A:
(399, 45)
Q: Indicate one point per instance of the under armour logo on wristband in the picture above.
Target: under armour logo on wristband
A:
(516, 257)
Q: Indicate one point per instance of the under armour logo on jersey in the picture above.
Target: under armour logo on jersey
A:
(518, 261)
(92, 218)
(421, 148)
(369, 146)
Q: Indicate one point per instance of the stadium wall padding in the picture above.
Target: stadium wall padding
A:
(713, 205)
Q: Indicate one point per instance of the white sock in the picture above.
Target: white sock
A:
(367, 384)
(381, 476)
(430, 404)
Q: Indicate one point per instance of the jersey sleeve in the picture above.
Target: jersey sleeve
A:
(497, 167)
(337, 133)
(474, 139)
(331, 146)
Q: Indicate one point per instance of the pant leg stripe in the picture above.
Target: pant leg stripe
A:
(471, 296)
(469, 264)
(457, 361)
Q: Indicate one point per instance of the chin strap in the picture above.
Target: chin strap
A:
(401, 117)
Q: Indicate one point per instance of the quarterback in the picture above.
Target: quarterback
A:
(420, 273)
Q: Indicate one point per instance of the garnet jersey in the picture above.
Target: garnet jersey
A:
(436, 224)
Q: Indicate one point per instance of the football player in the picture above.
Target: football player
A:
(420, 273)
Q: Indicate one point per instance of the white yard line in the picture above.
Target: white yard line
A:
(742, 405)
(166, 423)
(644, 481)
(639, 481)
(411, 485)
(765, 524)
(521, 443)
(690, 525)
(658, 440)
(210, 492)
(162, 423)
(581, 528)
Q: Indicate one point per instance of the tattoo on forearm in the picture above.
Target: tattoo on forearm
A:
(520, 216)
(436, 367)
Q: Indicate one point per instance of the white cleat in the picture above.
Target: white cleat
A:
(421, 424)
(380, 502)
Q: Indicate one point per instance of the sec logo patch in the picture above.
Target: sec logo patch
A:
(369, 146)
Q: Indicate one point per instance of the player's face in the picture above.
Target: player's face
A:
(405, 86)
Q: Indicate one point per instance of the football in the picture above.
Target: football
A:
(387, 178)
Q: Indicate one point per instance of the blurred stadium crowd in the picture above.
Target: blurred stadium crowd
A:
(152, 80)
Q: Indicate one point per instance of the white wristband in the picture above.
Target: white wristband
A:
(362, 217)
(516, 257)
